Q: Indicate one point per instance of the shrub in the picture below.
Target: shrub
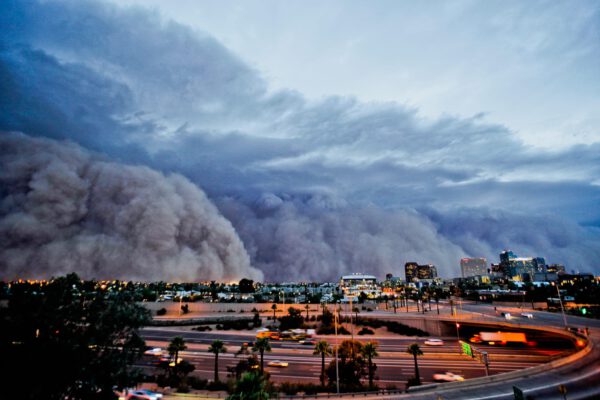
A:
(365, 331)
(183, 388)
(197, 383)
(162, 311)
(217, 385)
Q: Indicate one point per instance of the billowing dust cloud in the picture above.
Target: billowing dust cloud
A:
(65, 210)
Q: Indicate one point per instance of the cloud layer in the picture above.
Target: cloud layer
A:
(65, 210)
(314, 188)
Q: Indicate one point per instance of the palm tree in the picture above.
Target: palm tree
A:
(307, 307)
(177, 344)
(369, 350)
(322, 348)
(261, 345)
(415, 350)
(274, 308)
(216, 347)
(356, 311)
(251, 386)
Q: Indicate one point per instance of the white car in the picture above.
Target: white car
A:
(143, 394)
(157, 351)
(448, 377)
(277, 363)
(434, 342)
(527, 315)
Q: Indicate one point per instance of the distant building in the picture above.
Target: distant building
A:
(414, 271)
(473, 267)
(555, 268)
(352, 285)
(520, 269)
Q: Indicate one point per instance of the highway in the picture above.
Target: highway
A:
(395, 366)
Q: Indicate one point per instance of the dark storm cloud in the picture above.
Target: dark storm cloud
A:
(125, 83)
(65, 210)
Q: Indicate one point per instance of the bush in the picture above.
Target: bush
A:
(202, 328)
(217, 385)
(289, 388)
(183, 388)
(330, 330)
(366, 331)
(197, 383)
(162, 311)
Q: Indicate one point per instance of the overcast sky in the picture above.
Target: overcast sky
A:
(531, 65)
(335, 137)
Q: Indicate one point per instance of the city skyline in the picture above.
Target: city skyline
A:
(220, 141)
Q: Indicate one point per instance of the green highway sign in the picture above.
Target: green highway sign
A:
(466, 348)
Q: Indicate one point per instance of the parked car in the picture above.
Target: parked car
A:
(277, 363)
(434, 342)
(143, 394)
(448, 377)
(526, 315)
(308, 342)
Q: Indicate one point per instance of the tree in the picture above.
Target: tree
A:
(217, 347)
(252, 386)
(261, 345)
(322, 348)
(274, 308)
(293, 320)
(369, 350)
(351, 365)
(256, 321)
(415, 350)
(246, 286)
(362, 297)
(356, 310)
(307, 308)
(87, 333)
(177, 344)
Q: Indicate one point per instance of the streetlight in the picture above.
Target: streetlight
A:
(562, 308)
(458, 338)
(337, 371)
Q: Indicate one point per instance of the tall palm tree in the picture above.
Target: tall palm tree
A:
(307, 307)
(356, 311)
(274, 308)
(324, 349)
(261, 345)
(369, 350)
(177, 344)
(415, 350)
(217, 347)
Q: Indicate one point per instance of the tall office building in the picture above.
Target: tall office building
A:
(520, 268)
(410, 271)
(473, 267)
(414, 271)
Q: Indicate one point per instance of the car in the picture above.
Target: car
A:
(448, 377)
(157, 351)
(308, 342)
(143, 394)
(434, 342)
(506, 315)
(277, 363)
(526, 315)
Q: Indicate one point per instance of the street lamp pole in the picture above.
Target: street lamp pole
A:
(562, 308)
(337, 371)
